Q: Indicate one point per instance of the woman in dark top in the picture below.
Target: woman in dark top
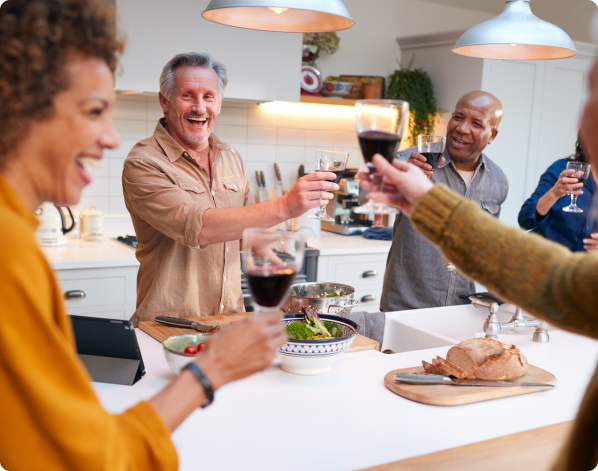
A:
(543, 211)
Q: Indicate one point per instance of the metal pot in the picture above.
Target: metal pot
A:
(314, 295)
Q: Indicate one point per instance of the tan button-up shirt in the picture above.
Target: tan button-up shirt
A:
(167, 192)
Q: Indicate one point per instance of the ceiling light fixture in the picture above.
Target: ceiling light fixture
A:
(535, 39)
(300, 16)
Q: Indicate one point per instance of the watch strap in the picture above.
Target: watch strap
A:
(203, 380)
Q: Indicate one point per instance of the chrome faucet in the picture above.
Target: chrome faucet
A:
(518, 323)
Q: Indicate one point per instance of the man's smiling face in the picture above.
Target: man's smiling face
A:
(194, 105)
(472, 127)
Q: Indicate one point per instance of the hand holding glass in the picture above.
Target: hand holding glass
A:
(270, 259)
(329, 161)
(582, 173)
(432, 148)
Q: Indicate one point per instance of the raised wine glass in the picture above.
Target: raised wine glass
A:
(380, 127)
(271, 258)
(582, 173)
(432, 148)
(329, 161)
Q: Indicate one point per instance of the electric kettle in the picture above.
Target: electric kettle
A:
(52, 229)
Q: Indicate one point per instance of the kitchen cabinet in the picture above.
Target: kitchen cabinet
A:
(262, 66)
(542, 101)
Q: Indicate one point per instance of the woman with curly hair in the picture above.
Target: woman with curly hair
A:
(57, 62)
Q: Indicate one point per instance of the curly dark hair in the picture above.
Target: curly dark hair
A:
(36, 36)
(579, 155)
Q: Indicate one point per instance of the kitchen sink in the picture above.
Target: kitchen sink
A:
(419, 329)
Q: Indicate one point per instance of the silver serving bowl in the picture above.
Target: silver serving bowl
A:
(314, 295)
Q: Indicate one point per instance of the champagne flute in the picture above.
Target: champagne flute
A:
(582, 173)
(432, 148)
(380, 127)
(329, 161)
(271, 258)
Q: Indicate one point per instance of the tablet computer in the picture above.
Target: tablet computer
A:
(109, 349)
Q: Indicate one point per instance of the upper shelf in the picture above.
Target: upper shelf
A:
(320, 100)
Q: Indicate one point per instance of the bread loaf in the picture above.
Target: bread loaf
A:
(488, 359)
(453, 369)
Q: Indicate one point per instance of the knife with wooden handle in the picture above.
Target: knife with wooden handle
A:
(178, 322)
(427, 378)
(278, 177)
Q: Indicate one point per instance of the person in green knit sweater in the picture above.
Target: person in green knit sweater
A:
(525, 269)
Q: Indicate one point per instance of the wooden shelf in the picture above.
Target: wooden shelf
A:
(320, 100)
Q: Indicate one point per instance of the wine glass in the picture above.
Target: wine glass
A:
(582, 173)
(329, 161)
(380, 128)
(432, 148)
(271, 258)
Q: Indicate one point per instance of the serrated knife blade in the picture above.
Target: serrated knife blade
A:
(430, 379)
(178, 322)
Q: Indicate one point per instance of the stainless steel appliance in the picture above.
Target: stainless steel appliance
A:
(345, 199)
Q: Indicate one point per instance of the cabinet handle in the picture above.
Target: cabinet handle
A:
(370, 274)
(75, 294)
(368, 298)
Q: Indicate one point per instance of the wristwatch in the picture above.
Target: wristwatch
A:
(203, 380)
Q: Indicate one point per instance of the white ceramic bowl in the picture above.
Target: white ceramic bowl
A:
(315, 357)
(336, 89)
(174, 347)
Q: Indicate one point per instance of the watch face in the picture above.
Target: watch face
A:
(310, 79)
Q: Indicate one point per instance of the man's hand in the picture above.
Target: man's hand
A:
(242, 349)
(309, 192)
(565, 182)
(420, 161)
(591, 243)
(404, 184)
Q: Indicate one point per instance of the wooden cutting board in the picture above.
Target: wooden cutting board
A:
(161, 331)
(440, 395)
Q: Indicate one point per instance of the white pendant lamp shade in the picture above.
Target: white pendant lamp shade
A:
(294, 16)
(516, 34)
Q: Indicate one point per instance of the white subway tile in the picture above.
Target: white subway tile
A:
(322, 139)
(116, 167)
(103, 171)
(232, 134)
(288, 170)
(260, 153)
(131, 129)
(290, 137)
(267, 168)
(123, 150)
(345, 123)
(129, 109)
(97, 187)
(116, 187)
(117, 205)
(293, 120)
(259, 115)
(233, 116)
(319, 121)
(242, 150)
(290, 154)
(261, 135)
(99, 202)
(310, 153)
(154, 110)
(345, 139)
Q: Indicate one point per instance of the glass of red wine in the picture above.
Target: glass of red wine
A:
(380, 127)
(329, 161)
(432, 148)
(582, 173)
(271, 258)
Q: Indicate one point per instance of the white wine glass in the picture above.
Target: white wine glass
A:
(582, 173)
(329, 161)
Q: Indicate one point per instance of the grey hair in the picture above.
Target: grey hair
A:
(200, 59)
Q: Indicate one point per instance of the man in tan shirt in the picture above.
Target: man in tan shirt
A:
(189, 197)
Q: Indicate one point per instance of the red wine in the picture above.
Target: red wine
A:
(433, 158)
(268, 285)
(378, 142)
(581, 180)
(338, 173)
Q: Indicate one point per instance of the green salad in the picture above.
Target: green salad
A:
(313, 328)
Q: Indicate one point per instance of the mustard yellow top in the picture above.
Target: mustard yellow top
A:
(50, 417)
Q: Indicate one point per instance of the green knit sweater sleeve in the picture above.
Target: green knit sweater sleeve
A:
(542, 277)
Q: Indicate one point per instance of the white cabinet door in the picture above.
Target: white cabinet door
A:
(99, 292)
(262, 66)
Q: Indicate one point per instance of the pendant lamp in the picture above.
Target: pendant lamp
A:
(516, 34)
(294, 16)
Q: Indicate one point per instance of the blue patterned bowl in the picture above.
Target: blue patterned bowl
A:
(315, 357)
(336, 89)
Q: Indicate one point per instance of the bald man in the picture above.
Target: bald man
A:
(417, 275)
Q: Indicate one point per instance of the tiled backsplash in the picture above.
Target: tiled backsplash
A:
(287, 133)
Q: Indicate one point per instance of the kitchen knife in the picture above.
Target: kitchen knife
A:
(263, 192)
(178, 322)
(278, 177)
(426, 378)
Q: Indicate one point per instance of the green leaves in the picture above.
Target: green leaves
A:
(334, 329)
(298, 331)
(415, 86)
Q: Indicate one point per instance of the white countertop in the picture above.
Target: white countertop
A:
(81, 254)
(347, 419)
(329, 243)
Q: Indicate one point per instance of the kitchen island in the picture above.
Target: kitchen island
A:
(347, 419)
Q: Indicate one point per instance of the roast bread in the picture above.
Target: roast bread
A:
(488, 359)
(482, 359)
